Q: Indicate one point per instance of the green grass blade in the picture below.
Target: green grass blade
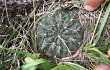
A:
(32, 64)
(99, 52)
(75, 66)
(61, 67)
(1, 67)
(19, 52)
(102, 24)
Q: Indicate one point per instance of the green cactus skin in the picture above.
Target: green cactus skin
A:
(58, 35)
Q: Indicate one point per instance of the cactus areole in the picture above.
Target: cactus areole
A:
(58, 35)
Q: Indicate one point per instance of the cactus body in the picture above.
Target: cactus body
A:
(58, 35)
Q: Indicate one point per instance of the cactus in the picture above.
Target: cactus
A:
(58, 35)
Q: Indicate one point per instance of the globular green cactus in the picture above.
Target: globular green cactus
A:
(58, 35)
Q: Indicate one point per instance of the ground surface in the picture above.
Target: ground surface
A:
(17, 31)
